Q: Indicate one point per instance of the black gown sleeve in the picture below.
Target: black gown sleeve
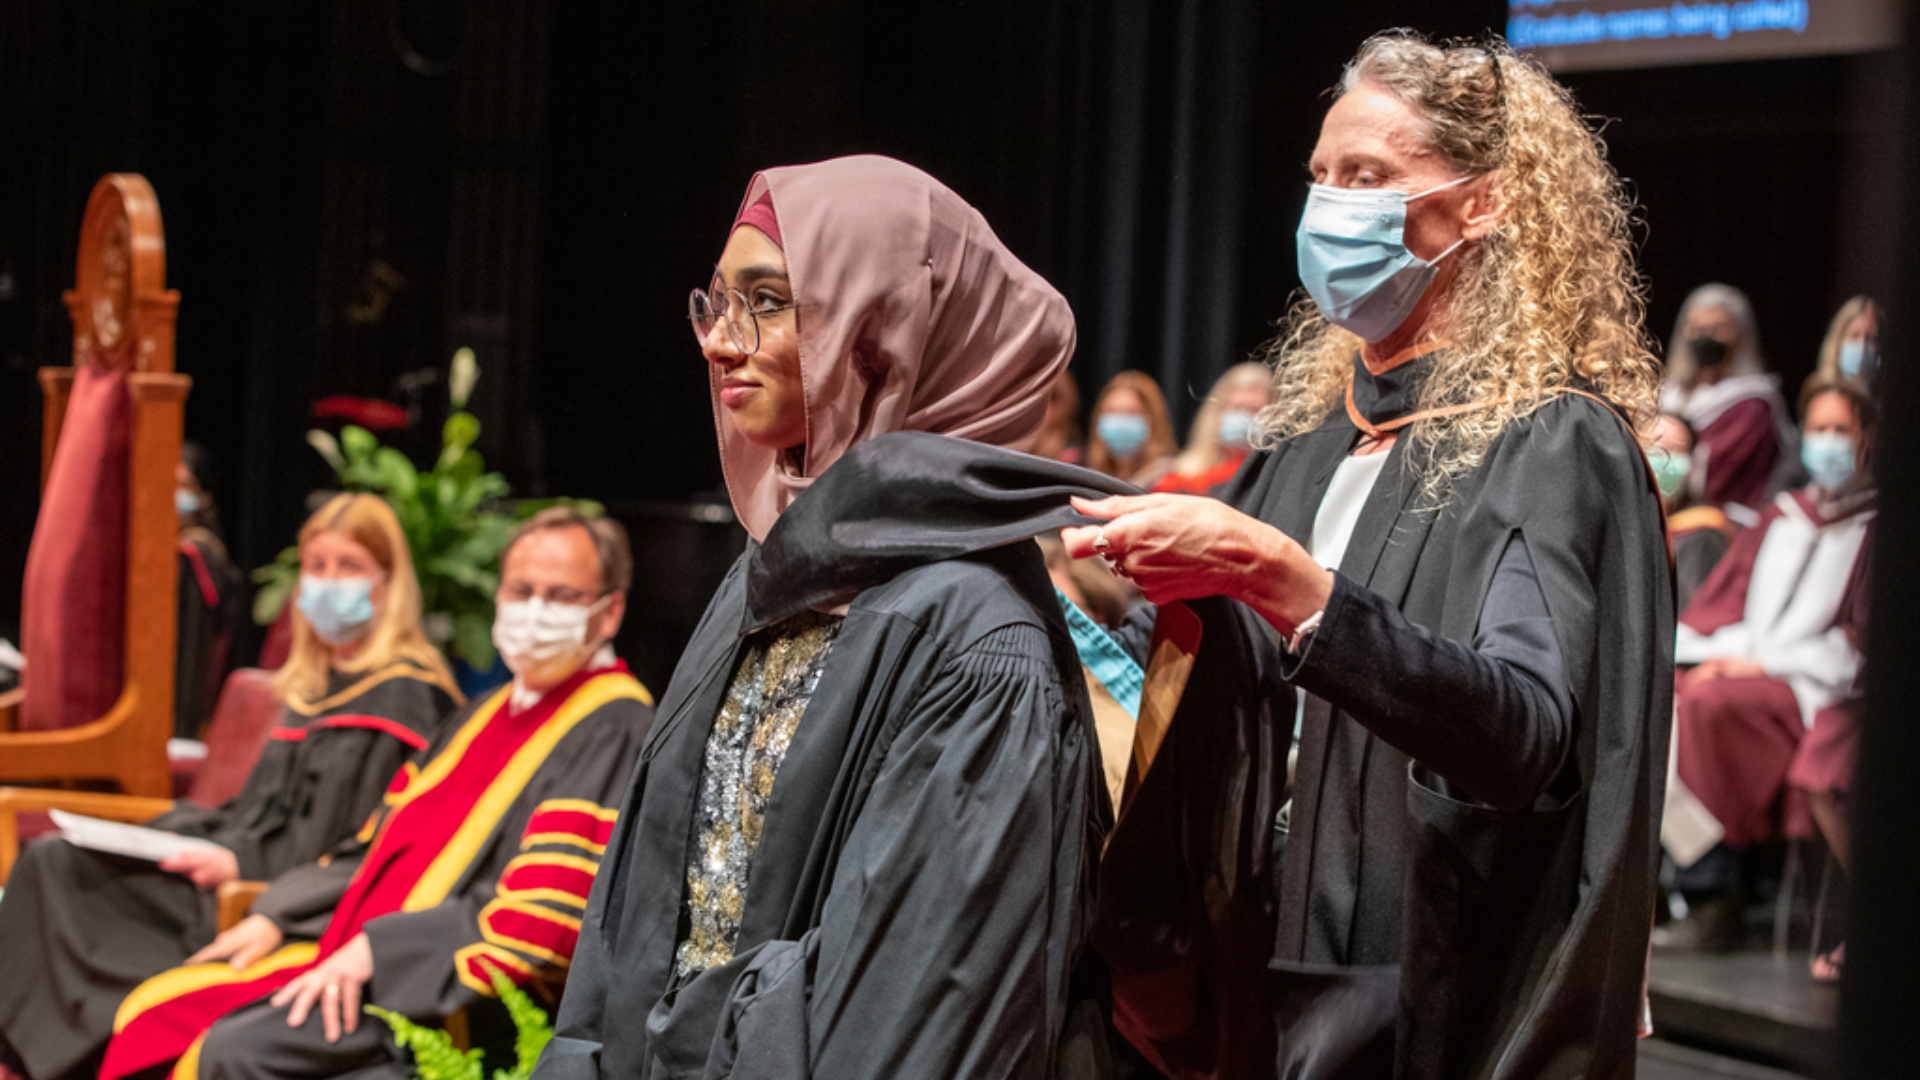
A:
(303, 797)
(353, 769)
(1495, 718)
(931, 958)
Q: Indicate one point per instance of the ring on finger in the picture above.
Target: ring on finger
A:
(1105, 550)
(332, 988)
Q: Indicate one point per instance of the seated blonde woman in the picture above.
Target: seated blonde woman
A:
(1222, 433)
(362, 689)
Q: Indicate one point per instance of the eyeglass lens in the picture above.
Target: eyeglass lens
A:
(706, 308)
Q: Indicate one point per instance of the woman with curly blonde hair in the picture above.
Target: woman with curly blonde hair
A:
(1454, 550)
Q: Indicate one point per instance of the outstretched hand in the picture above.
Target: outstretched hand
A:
(1178, 547)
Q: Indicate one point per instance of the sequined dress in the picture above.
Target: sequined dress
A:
(750, 738)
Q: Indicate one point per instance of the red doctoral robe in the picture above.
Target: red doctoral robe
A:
(424, 878)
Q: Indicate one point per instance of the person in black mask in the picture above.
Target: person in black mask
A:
(1717, 382)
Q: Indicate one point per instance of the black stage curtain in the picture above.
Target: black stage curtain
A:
(1881, 993)
(352, 190)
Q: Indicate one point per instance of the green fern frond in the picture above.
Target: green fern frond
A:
(434, 1057)
(531, 1029)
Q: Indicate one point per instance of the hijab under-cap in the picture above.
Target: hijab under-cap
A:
(912, 316)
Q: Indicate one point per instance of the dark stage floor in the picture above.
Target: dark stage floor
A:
(1746, 1006)
(1662, 1060)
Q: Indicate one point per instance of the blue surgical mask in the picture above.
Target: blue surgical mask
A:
(1124, 433)
(1828, 456)
(1354, 259)
(1859, 359)
(185, 502)
(1236, 429)
(338, 609)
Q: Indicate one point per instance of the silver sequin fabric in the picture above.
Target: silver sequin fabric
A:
(751, 734)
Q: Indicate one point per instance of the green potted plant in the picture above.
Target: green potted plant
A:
(450, 513)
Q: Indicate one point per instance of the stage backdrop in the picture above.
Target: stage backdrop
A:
(354, 190)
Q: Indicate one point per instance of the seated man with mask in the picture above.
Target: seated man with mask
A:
(479, 859)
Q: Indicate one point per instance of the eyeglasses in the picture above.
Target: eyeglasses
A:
(519, 591)
(706, 307)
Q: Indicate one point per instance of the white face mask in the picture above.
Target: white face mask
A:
(543, 641)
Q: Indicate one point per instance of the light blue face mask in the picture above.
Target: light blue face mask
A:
(1124, 433)
(1828, 456)
(185, 502)
(338, 609)
(1236, 429)
(1354, 259)
(1859, 359)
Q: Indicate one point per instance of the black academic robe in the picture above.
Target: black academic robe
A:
(923, 886)
(80, 929)
(213, 600)
(1413, 930)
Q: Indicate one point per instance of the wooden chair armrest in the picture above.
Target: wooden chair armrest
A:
(130, 808)
(236, 901)
(10, 708)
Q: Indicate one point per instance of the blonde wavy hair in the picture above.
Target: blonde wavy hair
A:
(1203, 438)
(1855, 307)
(395, 635)
(1549, 300)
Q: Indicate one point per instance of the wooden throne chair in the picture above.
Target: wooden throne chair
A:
(94, 708)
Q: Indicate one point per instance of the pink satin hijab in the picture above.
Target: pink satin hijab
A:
(912, 316)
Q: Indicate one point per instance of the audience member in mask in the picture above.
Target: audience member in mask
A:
(1700, 533)
(477, 861)
(1718, 383)
(213, 597)
(362, 690)
(1769, 652)
(1132, 435)
(1851, 348)
(1222, 433)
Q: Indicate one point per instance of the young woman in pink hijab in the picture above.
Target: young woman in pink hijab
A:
(860, 839)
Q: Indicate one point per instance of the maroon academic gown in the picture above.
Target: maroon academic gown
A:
(1738, 738)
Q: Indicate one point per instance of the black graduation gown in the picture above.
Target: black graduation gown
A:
(923, 886)
(213, 599)
(80, 929)
(1413, 931)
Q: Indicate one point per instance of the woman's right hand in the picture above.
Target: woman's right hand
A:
(1178, 547)
(250, 939)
